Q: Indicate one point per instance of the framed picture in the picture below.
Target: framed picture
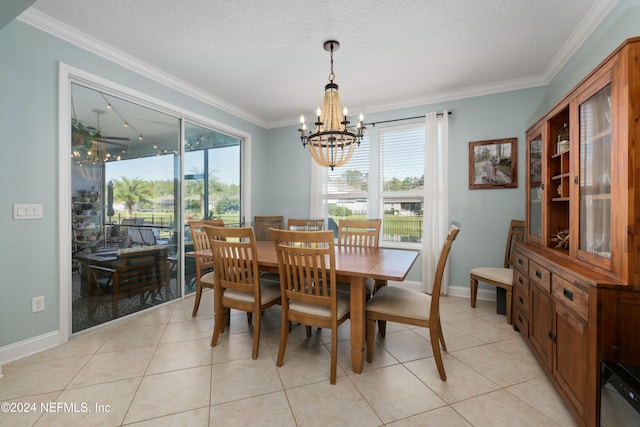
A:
(493, 164)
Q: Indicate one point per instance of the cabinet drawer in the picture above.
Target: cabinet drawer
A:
(540, 275)
(520, 263)
(571, 296)
(520, 281)
(522, 323)
(520, 302)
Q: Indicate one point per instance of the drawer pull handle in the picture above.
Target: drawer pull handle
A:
(539, 274)
(520, 280)
(520, 319)
(520, 261)
(567, 294)
(521, 300)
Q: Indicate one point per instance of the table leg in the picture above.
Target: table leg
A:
(358, 322)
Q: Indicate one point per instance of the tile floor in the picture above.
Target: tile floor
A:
(159, 369)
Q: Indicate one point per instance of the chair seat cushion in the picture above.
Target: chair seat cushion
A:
(323, 311)
(396, 301)
(269, 291)
(207, 279)
(495, 274)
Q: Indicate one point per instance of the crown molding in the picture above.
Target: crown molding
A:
(589, 23)
(445, 96)
(594, 17)
(71, 35)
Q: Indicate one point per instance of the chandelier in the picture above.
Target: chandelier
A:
(332, 143)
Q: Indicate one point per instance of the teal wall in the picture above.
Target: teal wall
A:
(29, 165)
(484, 214)
(623, 22)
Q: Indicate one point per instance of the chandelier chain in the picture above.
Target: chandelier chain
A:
(332, 74)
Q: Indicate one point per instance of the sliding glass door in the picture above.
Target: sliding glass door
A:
(211, 183)
(125, 208)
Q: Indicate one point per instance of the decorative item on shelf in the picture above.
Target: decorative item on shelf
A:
(561, 240)
(604, 183)
(563, 139)
(538, 196)
(332, 143)
(559, 189)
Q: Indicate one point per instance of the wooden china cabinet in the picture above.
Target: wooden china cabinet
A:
(577, 277)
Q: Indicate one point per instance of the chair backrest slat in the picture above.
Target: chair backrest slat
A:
(264, 223)
(359, 233)
(516, 234)
(234, 251)
(305, 224)
(201, 240)
(454, 229)
(142, 269)
(306, 260)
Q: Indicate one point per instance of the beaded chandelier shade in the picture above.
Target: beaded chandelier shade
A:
(332, 143)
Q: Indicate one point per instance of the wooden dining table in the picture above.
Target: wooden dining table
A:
(353, 266)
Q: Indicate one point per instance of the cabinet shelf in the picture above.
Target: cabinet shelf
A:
(604, 136)
(562, 175)
(560, 154)
(606, 196)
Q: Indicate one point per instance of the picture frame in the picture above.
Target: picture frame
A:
(493, 164)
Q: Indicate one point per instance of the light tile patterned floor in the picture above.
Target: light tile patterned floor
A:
(159, 369)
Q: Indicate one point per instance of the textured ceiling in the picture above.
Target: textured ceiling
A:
(264, 61)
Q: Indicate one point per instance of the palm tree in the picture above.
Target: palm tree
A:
(196, 187)
(131, 191)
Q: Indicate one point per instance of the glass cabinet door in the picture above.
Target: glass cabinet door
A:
(535, 187)
(595, 174)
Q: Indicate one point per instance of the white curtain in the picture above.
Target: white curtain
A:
(436, 211)
(318, 204)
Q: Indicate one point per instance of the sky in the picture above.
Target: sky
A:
(224, 162)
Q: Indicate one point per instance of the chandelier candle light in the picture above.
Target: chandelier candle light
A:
(331, 144)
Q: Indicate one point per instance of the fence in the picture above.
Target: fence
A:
(402, 229)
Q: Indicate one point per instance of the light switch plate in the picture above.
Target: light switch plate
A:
(27, 211)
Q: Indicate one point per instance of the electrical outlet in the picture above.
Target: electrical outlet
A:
(37, 304)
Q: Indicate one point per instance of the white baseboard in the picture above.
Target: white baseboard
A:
(465, 291)
(28, 347)
(454, 290)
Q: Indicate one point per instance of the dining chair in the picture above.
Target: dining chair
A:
(501, 277)
(307, 266)
(237, 282)
(305, 224)
(204, 266)
(140, 271)
(264, 223)
(402, 305)
(360, 234)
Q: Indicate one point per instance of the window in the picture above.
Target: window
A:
(394, 158)
(346, 188)
(402, 183)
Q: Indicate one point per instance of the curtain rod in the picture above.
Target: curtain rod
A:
(399, 120)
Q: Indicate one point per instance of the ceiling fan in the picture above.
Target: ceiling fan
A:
(88, 134)
(113, 140)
